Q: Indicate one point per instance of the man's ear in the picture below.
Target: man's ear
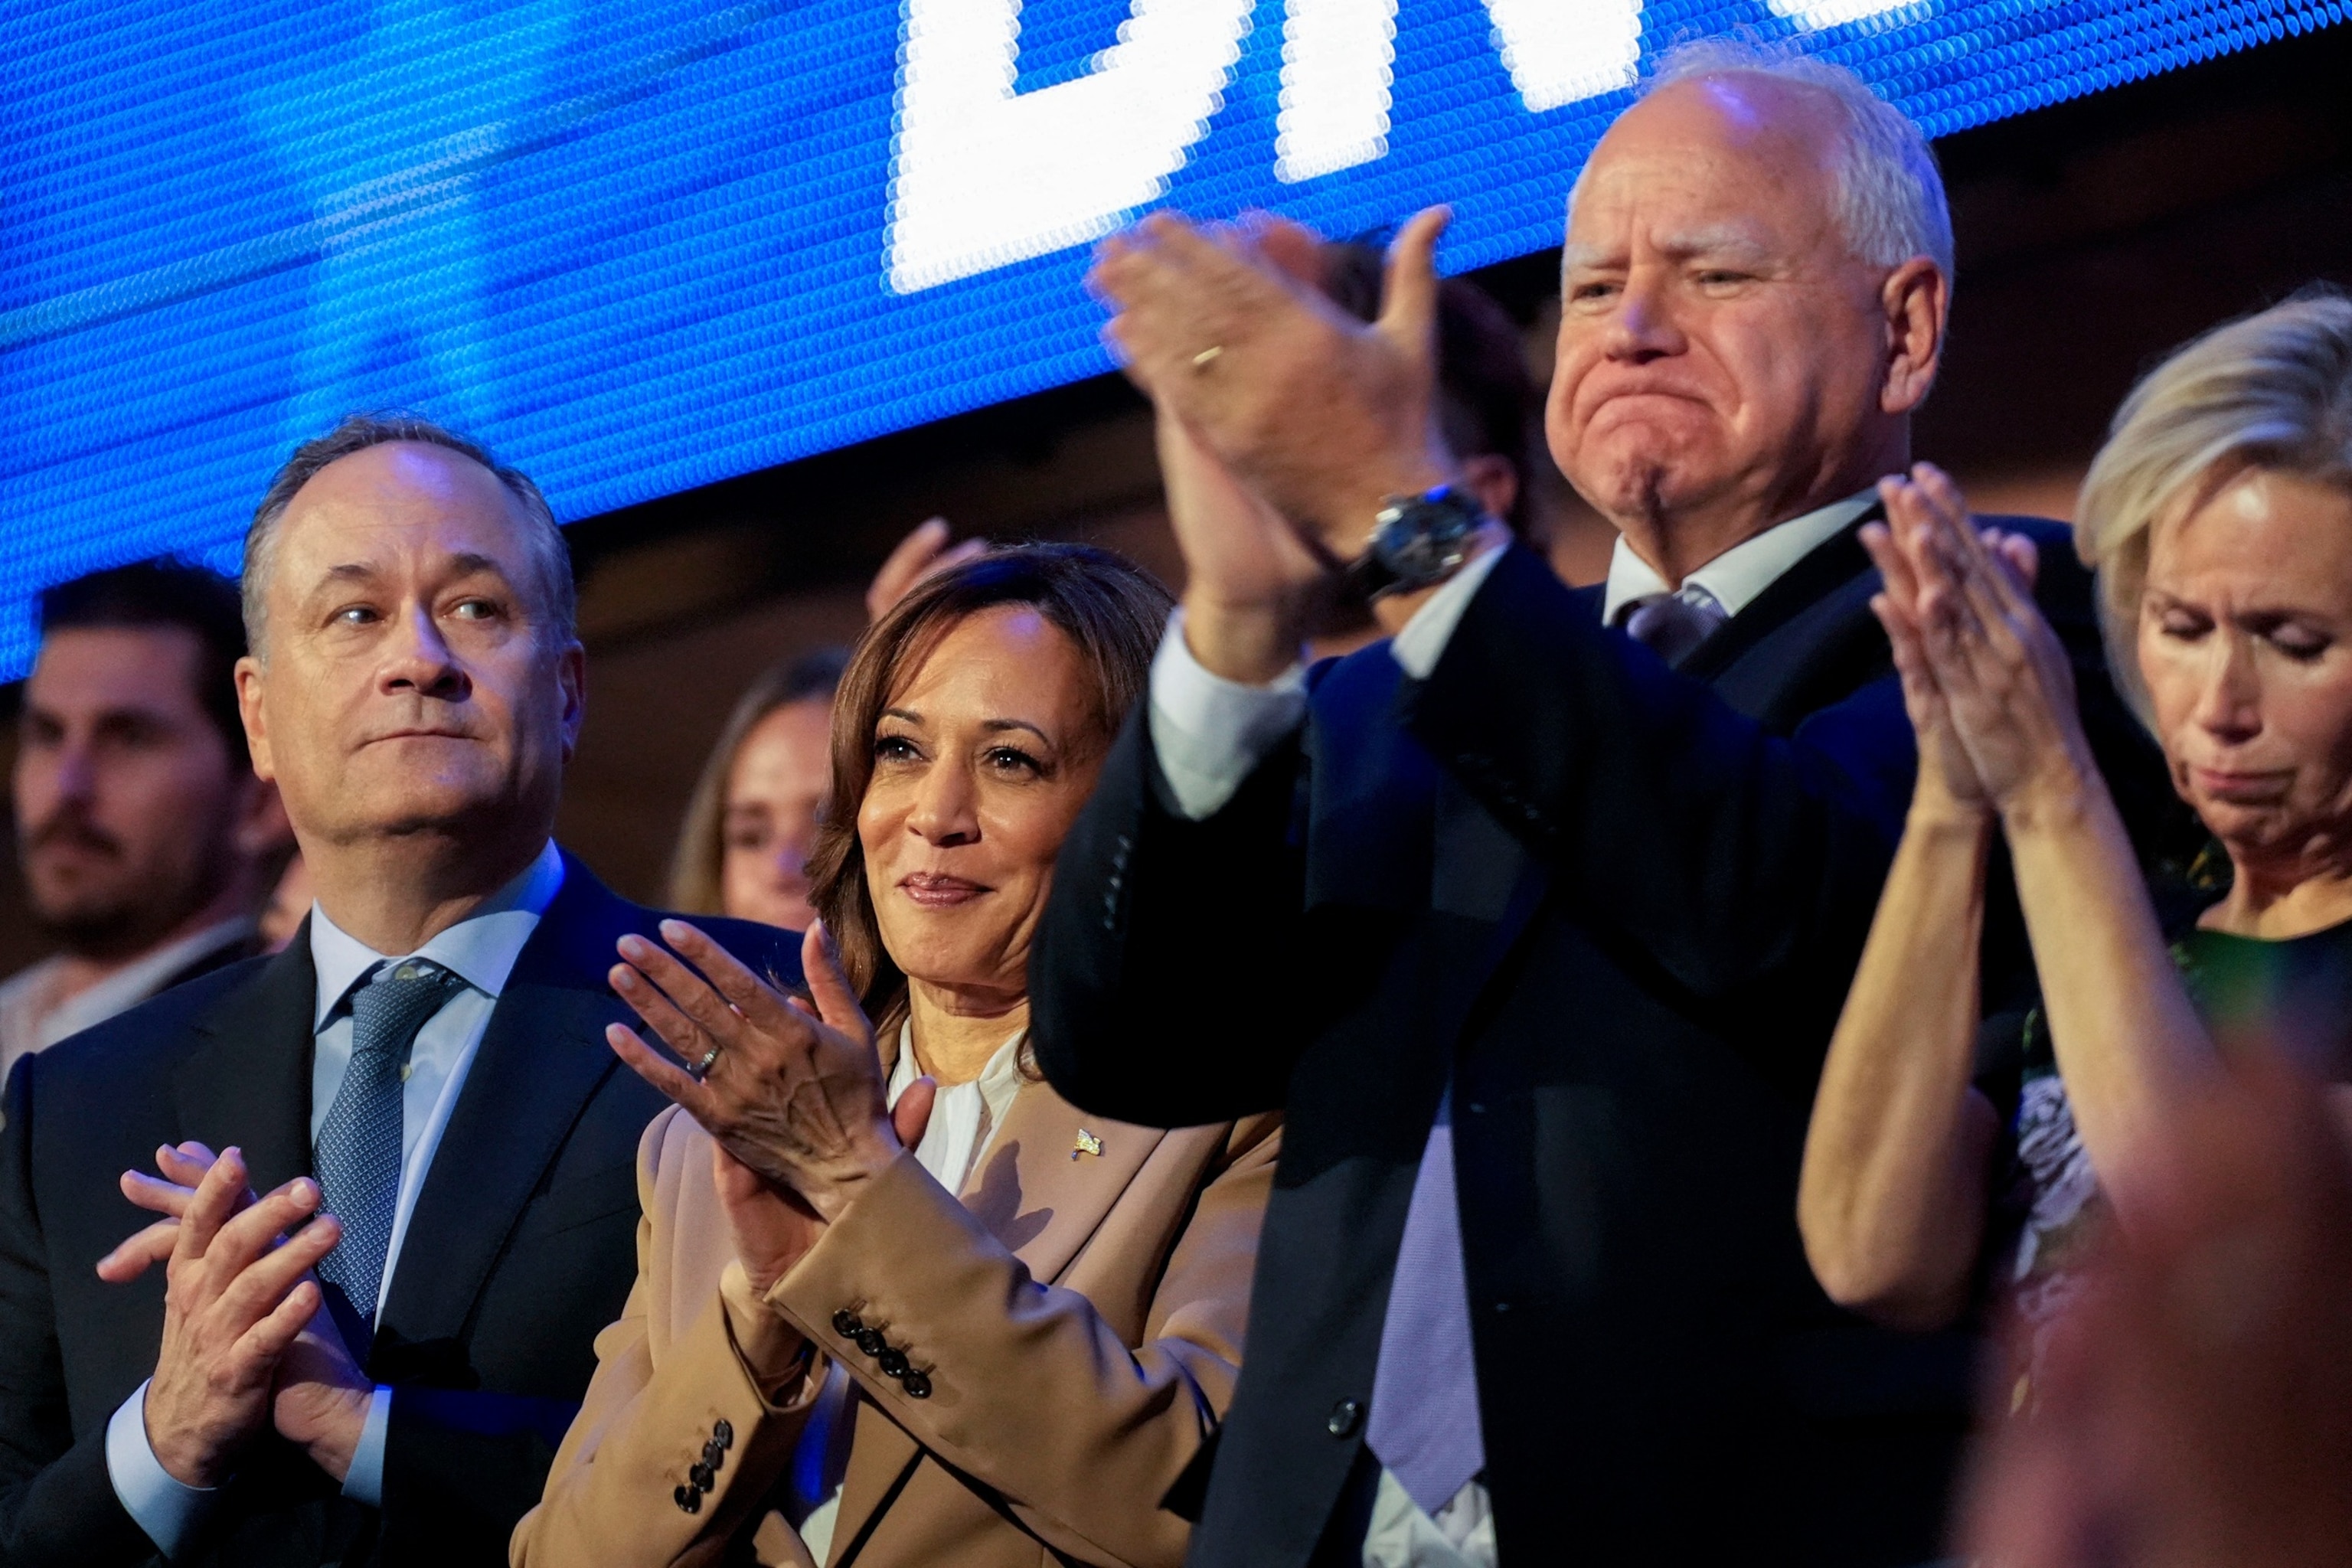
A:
(571, 675)
(1494, 480)
(256, 726)
(262, 829)
(1915, 298)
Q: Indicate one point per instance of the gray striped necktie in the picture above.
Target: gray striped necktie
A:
(1673, 624)
(358, 1154)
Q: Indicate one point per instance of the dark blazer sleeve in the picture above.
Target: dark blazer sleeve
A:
(1180, 1008)
(1723, 856)
(461, 1465)
(57, 1503)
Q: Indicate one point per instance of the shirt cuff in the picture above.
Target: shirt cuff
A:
(364, 1482)
(166, 1508)
(1423, 641)
(1209, 733)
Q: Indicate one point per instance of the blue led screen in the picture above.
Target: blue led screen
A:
(637, 246)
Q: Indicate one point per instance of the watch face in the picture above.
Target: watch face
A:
(1422, 540)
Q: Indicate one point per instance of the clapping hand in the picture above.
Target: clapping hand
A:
(1987, 683)
(240, 1295)
(1320, 414)
(792, 1092)
(2194, 1403)
(319, 1394)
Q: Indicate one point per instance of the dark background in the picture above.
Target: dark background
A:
(2092, 238)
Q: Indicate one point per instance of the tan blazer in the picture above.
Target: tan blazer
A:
(1058, 1414)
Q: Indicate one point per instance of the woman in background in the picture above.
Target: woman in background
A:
(979, 1329)
(2219, 515)
(751, 822)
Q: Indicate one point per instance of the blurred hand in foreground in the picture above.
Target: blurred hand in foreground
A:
(2195, 1407)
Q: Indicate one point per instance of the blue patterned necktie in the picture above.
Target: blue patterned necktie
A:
(1424, 1425)
(358, 1155)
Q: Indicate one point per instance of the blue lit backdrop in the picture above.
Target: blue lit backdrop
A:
(638, 246)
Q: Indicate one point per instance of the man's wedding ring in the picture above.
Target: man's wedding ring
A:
(1207, 356)
(701, 1069)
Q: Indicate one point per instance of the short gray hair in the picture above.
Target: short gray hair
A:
(1890, 194)
(550, 556)
(2271, 390)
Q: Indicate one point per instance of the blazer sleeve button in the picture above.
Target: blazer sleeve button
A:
(892, 1362)
(1345, 1417)
(723, 1430)
(713, 1454)
(702, 1477)
(871, 1342)
(917, 1384)
(689, 1499)
(847, 1324)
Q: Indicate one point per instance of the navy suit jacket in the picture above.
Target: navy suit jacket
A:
(1621, 905)
(522, 1248)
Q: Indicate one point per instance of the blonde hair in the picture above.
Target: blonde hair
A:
(2271, 390)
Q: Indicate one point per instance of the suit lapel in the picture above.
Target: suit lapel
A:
(1039, 1192)
(1835, 562)
(541, 1058)
(250, 1083)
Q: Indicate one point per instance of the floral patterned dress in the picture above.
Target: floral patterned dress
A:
(2294, 994)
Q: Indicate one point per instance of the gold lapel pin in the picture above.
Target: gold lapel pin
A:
(1088, 1143)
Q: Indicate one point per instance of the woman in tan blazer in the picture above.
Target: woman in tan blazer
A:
(897, 1301)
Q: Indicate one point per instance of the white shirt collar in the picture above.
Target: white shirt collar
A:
(481, 948)
(1736, 577)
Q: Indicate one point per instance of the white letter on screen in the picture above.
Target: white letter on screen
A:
(1335, 56)
(1558, 51)
(1835, 12)
(984, 176)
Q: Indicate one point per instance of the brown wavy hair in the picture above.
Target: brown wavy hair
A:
(1110, 608)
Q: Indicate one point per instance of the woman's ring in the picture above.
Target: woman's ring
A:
(1207, 356)
(701, 1069)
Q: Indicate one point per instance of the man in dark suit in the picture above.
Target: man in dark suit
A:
(145, 843)
(374, 1360)
(1537, 934)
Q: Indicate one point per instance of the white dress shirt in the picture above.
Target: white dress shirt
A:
(481, 950)
(1209, 733)
(31, 1021)
(964, 1120)
(1736, 577)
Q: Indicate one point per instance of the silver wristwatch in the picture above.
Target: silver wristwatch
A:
(1417, 541)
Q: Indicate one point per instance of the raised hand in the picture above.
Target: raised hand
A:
(1251, 583)
(795, 1095)
(925, 552)
(237, 1298)
(320, 1394)
(2007, 689)
(1322, 415)
(1947, 779)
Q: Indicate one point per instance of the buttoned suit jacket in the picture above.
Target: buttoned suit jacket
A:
(518, 1251)
(1079, 1315)
(1622, 906)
